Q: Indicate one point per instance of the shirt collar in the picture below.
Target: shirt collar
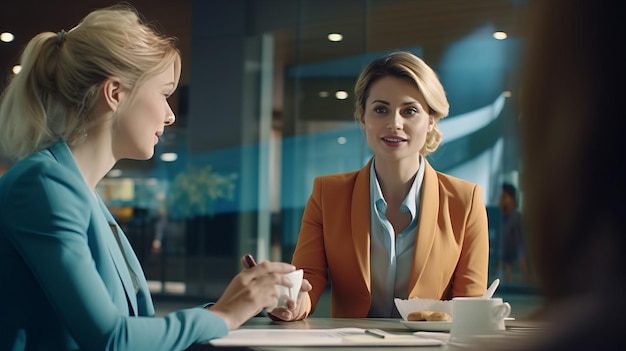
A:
(410, 202)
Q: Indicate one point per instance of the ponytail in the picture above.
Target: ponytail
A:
(54, 94)
(29, 102)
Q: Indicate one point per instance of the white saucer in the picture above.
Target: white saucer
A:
(433, 326)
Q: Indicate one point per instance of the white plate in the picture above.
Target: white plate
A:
(427, 326)
(434, 326)
(407, 306)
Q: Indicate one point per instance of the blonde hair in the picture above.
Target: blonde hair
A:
(54, 94)
(405, 65)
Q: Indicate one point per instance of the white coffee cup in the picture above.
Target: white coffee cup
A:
(475, 316)
(295, 278)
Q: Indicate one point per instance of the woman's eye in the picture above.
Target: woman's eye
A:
(380, 109)
(411, 111)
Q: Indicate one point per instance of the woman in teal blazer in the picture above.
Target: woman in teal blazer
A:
(65, 274)
(69, 278)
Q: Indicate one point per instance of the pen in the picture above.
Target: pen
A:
(376, 332)
(250, 262)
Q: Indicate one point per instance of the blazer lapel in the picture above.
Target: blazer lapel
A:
(360, 219)
(426, 228)
(117, 255)
(61, 152)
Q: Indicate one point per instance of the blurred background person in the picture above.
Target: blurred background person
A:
(512, 239)
(160, 226)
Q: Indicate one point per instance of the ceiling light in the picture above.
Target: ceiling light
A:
(341, 95)
(500, 35)
(335, 37)
(341, 140)
(169, 156)
(114, 173)
(17, 69)
(7, 37)
(323, 94)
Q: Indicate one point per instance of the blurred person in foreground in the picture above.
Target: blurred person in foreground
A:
(69, 278)
(397, 228)
(573, 143)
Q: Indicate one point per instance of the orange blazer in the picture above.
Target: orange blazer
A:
(451, 246)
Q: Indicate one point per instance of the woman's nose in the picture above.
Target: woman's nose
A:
(395, 122)
(170, 120)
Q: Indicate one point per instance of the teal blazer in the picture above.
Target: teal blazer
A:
(65, 281)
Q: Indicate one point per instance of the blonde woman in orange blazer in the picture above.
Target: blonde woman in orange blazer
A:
(397, 227)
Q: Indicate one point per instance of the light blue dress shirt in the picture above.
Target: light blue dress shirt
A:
(391, 254)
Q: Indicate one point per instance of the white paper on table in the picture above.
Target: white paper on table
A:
(433, 335)
(317, 337)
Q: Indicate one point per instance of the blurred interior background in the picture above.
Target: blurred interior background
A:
(265, 104)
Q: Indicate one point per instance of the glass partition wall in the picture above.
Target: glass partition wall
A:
(266, 104)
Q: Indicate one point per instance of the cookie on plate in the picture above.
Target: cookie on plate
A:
(438, 317)
(430, 316)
